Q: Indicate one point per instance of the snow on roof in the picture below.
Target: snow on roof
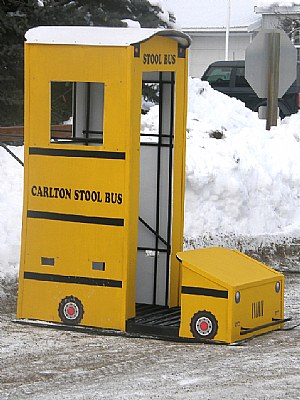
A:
(278, 8)
(100, 36)
(279, 3)
(213, 13)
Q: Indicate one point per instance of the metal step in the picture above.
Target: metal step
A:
(155, 320)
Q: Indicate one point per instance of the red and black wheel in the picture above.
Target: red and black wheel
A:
(204, 325)
(70, 310)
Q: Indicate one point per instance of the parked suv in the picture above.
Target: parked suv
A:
(228, 77)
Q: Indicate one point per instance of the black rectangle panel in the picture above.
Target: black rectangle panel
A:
(223, 294)
(110, 155)
(81, 280)
(82, 219)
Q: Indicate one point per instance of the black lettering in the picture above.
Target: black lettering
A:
(107, 197)
(68, 194)
(119, 201)
(81, 194)
(62, 193)
(56, 191)
(153, 59)
(50, 192)
(169, 59)
(99, 199)
(39, 192)
(114, 197)
(33, 190)
(146, 59)
(76, 194)
(45, 191)
(94, 196)
(87, 195)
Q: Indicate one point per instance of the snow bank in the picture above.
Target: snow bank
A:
(11, 199)
(247, 182)
(240, 178)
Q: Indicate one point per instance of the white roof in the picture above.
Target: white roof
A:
(100, 36)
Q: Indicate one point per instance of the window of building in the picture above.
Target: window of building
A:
(77, 110)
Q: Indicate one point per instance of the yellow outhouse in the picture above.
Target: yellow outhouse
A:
(103, 204)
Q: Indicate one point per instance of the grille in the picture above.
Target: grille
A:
(257, 309)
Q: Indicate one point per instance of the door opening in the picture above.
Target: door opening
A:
(156, 192)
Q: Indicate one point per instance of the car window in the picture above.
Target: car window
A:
(218, 75)
(240, 79)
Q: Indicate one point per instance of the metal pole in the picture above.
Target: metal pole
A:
(227, 30)
(273, 78)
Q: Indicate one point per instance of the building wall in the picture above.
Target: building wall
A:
(208, 48)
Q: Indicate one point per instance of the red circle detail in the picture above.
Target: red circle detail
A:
(204, 326)
(71, 310)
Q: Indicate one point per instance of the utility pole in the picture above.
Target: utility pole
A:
(227, 30)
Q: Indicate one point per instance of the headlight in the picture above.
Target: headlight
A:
(277, 287)
(237, 297)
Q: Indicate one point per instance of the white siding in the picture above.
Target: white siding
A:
(206, 49)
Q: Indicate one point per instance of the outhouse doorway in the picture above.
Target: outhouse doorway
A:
(156, 192)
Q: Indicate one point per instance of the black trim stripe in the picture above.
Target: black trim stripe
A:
(110, 155)
(80, 280)
(82, 219)
(223, 294)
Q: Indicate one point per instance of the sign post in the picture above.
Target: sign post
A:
(273, 39)
(271, 68)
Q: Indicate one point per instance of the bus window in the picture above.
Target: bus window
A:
(77, 113)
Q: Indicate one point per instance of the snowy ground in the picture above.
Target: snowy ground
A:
(45, 364)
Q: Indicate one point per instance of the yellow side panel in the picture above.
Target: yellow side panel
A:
(84, 186)
(89, 243)
(50, 63)
(76, 204)
(191, 304)
(101, 304)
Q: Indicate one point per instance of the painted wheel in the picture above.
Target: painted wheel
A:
(204, 325)
(70, 310)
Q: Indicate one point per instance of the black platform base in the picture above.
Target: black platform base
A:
(153, 320)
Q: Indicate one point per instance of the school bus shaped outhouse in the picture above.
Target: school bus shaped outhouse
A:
(103, 205)
(103, 202)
